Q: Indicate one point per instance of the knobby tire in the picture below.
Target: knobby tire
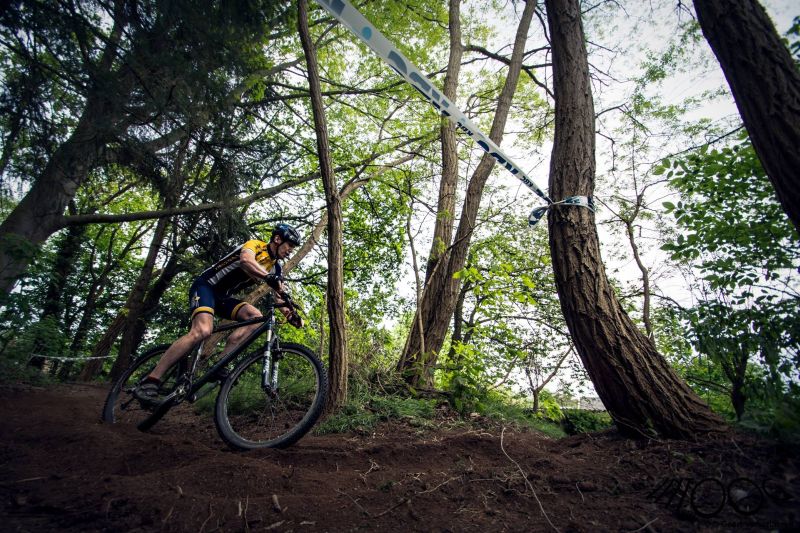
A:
(120, 405)
(248, 417)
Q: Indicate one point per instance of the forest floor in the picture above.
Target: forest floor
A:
(61, 469)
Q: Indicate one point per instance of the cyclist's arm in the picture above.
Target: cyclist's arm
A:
(253, 268)
(248, 263)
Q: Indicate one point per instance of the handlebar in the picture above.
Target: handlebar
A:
(275, 282)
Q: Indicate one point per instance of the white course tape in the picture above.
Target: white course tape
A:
(350, 17)
(343, 11)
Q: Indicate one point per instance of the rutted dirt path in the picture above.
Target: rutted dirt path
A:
(62, 469)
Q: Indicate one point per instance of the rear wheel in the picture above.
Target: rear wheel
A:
(122, 407)
(249, 415)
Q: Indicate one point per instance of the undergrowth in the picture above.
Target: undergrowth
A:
(372, 401)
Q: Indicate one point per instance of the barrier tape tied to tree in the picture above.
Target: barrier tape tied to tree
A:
(352, 19)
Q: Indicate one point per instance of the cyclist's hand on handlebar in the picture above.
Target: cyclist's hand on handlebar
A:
(274, 282)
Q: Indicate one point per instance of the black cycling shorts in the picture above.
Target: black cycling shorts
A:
(204, 299)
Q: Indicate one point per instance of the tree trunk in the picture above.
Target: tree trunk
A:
(40, 213)
(68, 249)
(150, 305)
(103, 346)
(641, 392)
(338, 357)
(765, 83)
(91, 302)
(135, 303)
(446, 208)
(442, 289)
(629, 230)
(458, 321)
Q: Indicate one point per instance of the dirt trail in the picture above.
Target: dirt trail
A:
(62, 469)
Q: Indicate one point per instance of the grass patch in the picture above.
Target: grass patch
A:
(362, 416)
(580, 421)
(521, 416)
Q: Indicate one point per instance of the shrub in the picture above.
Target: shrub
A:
(580, 421)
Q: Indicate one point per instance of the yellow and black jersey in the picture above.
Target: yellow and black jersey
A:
(226, 275)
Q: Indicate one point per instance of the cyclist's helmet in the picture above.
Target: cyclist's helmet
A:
(287, 233)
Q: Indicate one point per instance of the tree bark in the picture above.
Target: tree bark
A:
(765, 83)
(40, 213)
(642, 393)
(134, 306)
(446, 208)
(63, 267)
(93, 366)
(442, 289)
(337, 357)
(629, 230)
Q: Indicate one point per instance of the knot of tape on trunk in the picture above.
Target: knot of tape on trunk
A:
(582, 201)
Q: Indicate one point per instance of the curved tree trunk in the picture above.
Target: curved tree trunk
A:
(337, 357)
(641, 392)
(41, 211)
(765, 83)
(134, 306)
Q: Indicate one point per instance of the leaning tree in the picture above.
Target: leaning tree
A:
(642, 393)
(765, 83)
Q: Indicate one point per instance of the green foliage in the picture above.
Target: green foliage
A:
(363, 412)
(748, 317)
(468, 383)
(549, 408)
(580, 421)
(730, 217)
(794, 40)
(505, 408)
(511, 328)
(777, 419)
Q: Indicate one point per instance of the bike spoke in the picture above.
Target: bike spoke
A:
(249, 416)
(122, 407)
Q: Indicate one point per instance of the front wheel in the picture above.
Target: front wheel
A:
(122, 408)
(250, 415)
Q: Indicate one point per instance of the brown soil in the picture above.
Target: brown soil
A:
(62, 469)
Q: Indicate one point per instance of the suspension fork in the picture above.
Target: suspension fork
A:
(269, 370)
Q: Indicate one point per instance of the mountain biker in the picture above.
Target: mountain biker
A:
(211, 293)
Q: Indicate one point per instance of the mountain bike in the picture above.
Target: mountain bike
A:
(268, 397)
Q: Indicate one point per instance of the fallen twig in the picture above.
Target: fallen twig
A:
(646, 526)
(372, 467)
(244, 518)
(210, 514)
(355, 502)
(392, 508)
(528, 483)
(438, 486)
(169, 515)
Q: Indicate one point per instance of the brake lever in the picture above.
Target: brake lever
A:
(289, 302)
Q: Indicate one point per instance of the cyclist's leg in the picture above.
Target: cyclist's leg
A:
(238, 310)
(201, 304)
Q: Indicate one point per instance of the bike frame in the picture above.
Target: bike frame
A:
(192, 393)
